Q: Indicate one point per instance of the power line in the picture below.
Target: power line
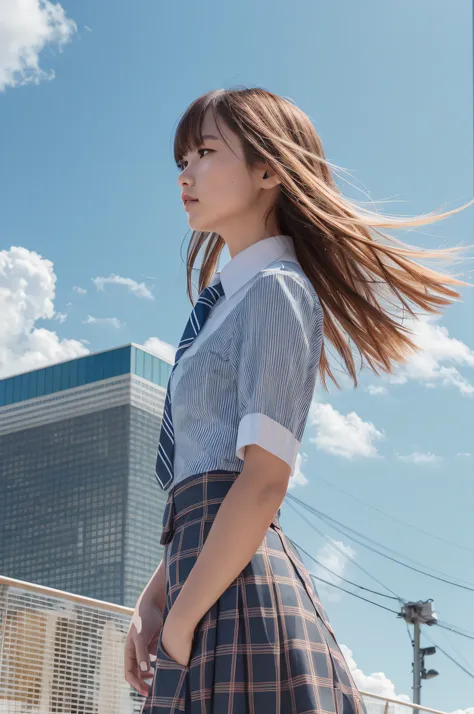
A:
(361, 587)
(345, 555)
(331, 521)
(458, 664)
(457, 653)
(399, 562)
(375, 592)
(445, 626)
(325, 517)
(353, 594)
(390, 515)
(382, 607)
(456, 632)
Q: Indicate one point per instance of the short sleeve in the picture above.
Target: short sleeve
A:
(276, 352)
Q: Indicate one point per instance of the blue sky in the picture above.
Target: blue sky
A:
(89, 183)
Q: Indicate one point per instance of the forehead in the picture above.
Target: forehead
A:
(209, 124)
(198, 126)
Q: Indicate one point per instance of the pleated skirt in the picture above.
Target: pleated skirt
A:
(265, 646)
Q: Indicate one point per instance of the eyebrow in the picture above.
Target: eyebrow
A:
(210, 136)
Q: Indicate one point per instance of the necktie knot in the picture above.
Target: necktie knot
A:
(205, 302)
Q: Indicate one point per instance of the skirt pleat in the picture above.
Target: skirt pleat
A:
(266, 645)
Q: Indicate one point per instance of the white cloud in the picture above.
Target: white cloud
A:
(27, 293)
(420, 458)
(343, 435)
(298, 478)
(112, 321)
(332, 556)
(61, 317)
(379, 683)
(376, 683)
(464, 454)
(439, 358)
(161, 349)
(376, 391)
(26, 28)
(138, 289)
(79, 291)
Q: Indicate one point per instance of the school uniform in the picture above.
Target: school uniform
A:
(245, 373)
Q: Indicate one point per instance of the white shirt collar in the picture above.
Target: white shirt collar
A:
(250, 261)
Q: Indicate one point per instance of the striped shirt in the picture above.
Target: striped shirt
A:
(250, 374)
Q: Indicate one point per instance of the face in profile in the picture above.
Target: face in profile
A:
(216, 175)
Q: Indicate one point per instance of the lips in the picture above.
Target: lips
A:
(187, 199)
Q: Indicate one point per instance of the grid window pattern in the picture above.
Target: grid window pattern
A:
(146, 503)
(63, 502)
(80, 509)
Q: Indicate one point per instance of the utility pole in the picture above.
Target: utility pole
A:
(416, 664)
(417, 614)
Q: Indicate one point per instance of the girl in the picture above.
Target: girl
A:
(231, 612)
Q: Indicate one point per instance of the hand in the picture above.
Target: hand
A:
(177, 640)
(141, 644)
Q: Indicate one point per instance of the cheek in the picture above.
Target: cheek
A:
(226, 188)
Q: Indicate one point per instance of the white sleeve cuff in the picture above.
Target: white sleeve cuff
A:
(270, 435)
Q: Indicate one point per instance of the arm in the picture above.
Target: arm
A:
(155, 590)
(247, 510)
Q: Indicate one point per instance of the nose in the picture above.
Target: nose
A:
(185, 179)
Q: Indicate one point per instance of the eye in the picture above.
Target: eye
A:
(181, 164)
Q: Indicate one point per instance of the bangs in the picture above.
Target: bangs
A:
(189, 132)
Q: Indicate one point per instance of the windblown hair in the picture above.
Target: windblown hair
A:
(357, 271)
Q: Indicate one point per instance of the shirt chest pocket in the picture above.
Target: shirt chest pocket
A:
(209, 367)
(213, 368)
(215, 362)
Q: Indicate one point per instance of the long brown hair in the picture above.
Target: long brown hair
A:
(356, 270)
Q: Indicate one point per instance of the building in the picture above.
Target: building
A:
(80, 507)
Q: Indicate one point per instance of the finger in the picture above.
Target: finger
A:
(141, 687)
(131, 671)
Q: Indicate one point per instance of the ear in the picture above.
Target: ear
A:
(267, 177)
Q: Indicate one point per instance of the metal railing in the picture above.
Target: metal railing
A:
(62, 653)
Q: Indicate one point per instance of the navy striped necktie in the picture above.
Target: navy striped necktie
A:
(164, 460)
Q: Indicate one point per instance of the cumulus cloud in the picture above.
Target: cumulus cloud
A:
(110, 321)
(161, 349)
(420, 458)
(61, 317)
(333, 559)
(376, 391)
(79, 291)
(27, 293)
(138, 289)
(26, 29)
(379, 683)
(376, 683)
(439, 360)
(298, 478)
(346, 435)
(464, 454)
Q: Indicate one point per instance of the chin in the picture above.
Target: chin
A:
(200, 226)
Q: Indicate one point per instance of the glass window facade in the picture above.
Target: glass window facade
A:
(80, 508)
(84, 370)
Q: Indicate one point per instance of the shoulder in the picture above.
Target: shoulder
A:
(285, 286)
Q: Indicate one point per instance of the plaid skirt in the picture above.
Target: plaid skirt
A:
(265, 646)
